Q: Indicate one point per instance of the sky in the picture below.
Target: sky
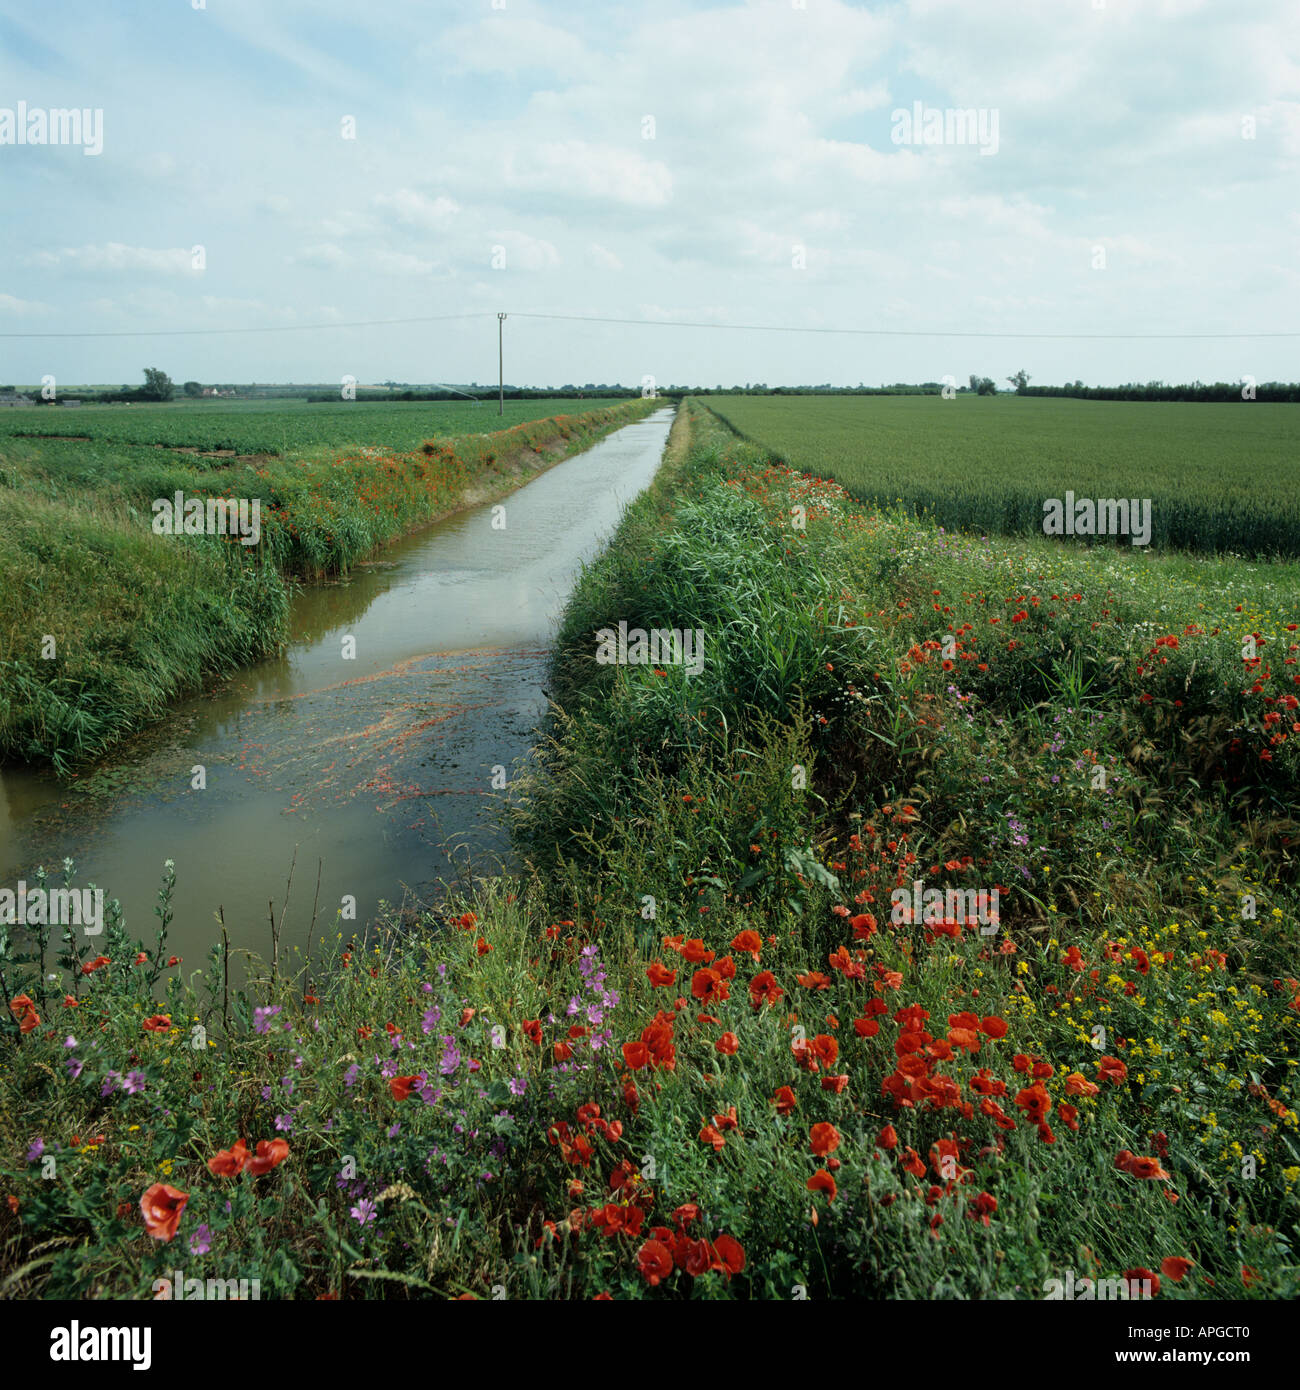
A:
(1131, 169)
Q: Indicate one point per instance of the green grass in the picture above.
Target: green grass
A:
(278, 427)
(1221, 478)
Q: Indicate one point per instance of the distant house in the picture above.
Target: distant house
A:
(70, 402)
(12, 398)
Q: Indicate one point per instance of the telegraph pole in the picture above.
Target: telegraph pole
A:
(501, 379)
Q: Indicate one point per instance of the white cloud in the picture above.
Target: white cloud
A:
(116, 257)
(578, 168)
(604, 259)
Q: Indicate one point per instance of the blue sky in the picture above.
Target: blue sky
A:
(773, 190)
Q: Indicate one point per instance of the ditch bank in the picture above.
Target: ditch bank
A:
(106, 625)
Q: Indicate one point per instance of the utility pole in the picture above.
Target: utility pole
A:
(501, 379)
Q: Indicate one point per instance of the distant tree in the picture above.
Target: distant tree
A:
(983, 385)
(157, 385)
(1020, 381)
(193, 388)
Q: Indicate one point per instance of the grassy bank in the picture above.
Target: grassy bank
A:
(695, 1050)
(104, 623)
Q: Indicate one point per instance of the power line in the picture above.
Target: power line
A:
(659, 323)
(889, 332)
(274, 328)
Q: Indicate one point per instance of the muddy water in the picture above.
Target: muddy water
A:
(377, 768)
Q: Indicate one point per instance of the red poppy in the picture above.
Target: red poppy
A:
(533, 1031)
(763, 988)
(229, 1163)
(269, 1153)
(24, 1010)
(562, 1051)
(402, 1086)
(659, 975)
(655, 1261)
(728, 1044)
(161, 1207)
(1176, 1267)
(821, 1181)
(983, 1207)
(823, 1138)
(747, 941)
(709, 1135)
(98, 963)
(636, 1055)
(730, 1256)
(784, 1100)
(888, 1137)
(1112, 1069)
(159, 1023)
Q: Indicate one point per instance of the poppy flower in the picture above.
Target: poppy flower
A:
(888, 1137)
(533, 1031)
(98, 963)
(660, 976)
(636, 1055)
(1076, 1084)
(747, 941)
(562, 1051)
(994, 1027)
(1175, 1267)
(697, 1258)
(1112, 1069)
(763, 988)
(983, 1207)
(784, 1100)
(821, 1181)
(866, 1027)
(269, 1153)
(229, 1163)
(912, 1163)
(1035, 1102)
(730, 1256)
(838, 1084)
(696, 952)
(823, 1138)
(24, 1010)
(161, 1207)
(159, 1023)
(402, 1086)
(655, 1261)
(709, 1135)
(728, 1044)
